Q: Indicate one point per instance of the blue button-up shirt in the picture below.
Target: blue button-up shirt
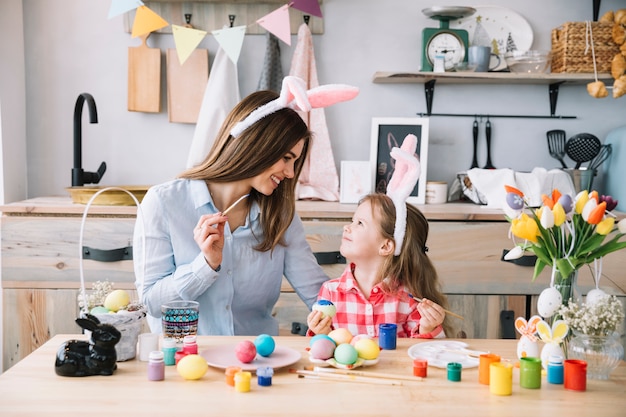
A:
(237, 300)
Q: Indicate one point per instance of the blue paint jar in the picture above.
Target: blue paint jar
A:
(387, 336)
(264, 376)
(555, 369)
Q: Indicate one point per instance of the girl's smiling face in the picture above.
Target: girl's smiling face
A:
(267, 181)
(362, 238)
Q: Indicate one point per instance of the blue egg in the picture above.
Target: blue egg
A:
(514, 201)
(320, 336)
(264, 344)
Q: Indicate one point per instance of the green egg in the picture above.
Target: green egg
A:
(346, 354)
(99, 310)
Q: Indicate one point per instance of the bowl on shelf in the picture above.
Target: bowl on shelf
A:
(529, 62)
(465, 67)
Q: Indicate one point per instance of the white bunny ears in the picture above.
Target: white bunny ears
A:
(402, 183)
(295, 96)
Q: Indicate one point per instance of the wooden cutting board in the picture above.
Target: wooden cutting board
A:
(186, 85)
(144, 78)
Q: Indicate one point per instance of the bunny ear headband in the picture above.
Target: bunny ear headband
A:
(402, 182)
(295, 96)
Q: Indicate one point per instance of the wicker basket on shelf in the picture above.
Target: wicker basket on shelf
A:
(571, 47)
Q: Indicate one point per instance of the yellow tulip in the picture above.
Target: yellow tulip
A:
(525, 227)
(559, 214)
(581, 200)
(605, 226)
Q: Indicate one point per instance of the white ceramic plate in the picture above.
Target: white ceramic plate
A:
(440, 353)
(497, 25)
(223, 356)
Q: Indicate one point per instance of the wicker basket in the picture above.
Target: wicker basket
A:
(571, 54)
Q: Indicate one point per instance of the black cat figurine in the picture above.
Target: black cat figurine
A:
(94, 357)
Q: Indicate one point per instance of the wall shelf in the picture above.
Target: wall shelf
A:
(429, 79)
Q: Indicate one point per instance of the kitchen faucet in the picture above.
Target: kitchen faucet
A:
(79, 177)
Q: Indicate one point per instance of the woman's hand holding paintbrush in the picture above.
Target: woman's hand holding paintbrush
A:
(209, 235)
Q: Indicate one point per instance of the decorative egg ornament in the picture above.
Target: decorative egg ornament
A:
(245, 351)
(549, 302)
(595, 296)
(326, 307)
(265, 345)
(192, 367)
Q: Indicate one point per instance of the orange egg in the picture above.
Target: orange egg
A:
(340, 336)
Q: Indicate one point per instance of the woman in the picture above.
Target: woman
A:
(233, 264)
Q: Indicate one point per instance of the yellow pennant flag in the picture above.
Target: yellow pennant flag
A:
(146, 21)
(186, 40)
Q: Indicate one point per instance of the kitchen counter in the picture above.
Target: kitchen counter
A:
(32, 388)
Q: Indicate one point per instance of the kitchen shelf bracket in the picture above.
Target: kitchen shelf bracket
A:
(553, 92)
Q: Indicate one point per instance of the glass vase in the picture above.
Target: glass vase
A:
(567, 286)
(602, 353)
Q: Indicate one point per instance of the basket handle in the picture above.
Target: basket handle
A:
(82, 230)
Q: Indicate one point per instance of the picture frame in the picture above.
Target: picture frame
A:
(389, 132)
(355, 181)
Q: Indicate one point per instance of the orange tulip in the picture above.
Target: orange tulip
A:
(547, 201)
(597, 214)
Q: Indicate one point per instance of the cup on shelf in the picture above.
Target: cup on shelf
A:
(480, 56)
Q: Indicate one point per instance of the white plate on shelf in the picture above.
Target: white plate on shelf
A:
(440, 353)
(223, 356)
(493, 25)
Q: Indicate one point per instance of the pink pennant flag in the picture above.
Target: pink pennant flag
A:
(146, 21)
(277, 22)
(311, 7)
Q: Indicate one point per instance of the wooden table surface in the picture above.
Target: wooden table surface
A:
(31, 387)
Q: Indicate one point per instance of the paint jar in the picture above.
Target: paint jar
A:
(169, 351)
(230, 373)
(190, 346)
(242, 381)
(454, 371)
(148, 342)
(264, 376)
(555, 369)
(387, 336)
(501, 378)
(156, 367)
(530, 372)
(484, 371)
(575, 375)
(420, 367)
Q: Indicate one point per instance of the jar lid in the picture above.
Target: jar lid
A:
(168, 342)
(155, 355)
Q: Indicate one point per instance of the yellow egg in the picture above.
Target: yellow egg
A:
(192, 367)
(117, 300)
(340, 336)
(367, 348)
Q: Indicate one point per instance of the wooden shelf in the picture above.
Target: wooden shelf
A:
(382, 77)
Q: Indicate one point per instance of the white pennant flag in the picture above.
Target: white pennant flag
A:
(231, 40)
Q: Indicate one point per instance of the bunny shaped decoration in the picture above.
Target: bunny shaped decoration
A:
(527, 346)
(94, 357)
(553, 338)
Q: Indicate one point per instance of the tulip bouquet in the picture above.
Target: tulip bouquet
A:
(565, 233)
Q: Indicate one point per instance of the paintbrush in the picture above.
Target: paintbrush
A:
(419, 300)
(234, 204)
(365, 374)
(344, 378)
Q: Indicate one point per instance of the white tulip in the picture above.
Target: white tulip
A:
(621, 226)
(514, 253)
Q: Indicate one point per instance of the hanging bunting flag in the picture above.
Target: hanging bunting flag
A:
(231, 40)
(146, 21)
(311, 7)
(277, 22)
(186, 40)
(122, 6)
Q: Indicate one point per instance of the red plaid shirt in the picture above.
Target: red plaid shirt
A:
(362, 316)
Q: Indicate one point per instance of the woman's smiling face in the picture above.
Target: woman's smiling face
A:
(267, 181)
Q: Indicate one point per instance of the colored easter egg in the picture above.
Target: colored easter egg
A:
(117, 300)
(323, 349)
(514, 201)
(326, 307)
(264, 344)
(359, 337)
(192, 367)
(367, 348)
(320, 336)
(99, 310)
(245, 351)
(346, 354)
(340, 336)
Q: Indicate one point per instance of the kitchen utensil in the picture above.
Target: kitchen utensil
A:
(475, 135)
(144, 77)
(488, 165)
(186, 84)
(556, 145)
(603, 155)
(582, 147)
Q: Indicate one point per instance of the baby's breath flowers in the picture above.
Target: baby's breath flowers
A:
(96, 298)
(598, 319)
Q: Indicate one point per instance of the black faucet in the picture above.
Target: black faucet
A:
(79, 177)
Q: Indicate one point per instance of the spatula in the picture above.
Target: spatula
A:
(582, 147)
(488, 165)
(556, 145)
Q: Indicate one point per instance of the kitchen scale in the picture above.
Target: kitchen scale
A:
(442, 43)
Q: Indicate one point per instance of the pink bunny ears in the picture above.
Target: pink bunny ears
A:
(295, 96)
(402, 183)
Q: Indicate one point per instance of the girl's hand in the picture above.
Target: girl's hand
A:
(432, 315)
(209, 235)
(319, 324)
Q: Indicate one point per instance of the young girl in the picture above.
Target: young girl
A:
(383, 280)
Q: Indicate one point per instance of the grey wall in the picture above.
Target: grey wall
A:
(71, 47)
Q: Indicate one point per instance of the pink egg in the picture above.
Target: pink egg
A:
(359, 337)
(322, 349)
(245, 351)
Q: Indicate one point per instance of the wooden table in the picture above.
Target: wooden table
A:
(31, 387)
